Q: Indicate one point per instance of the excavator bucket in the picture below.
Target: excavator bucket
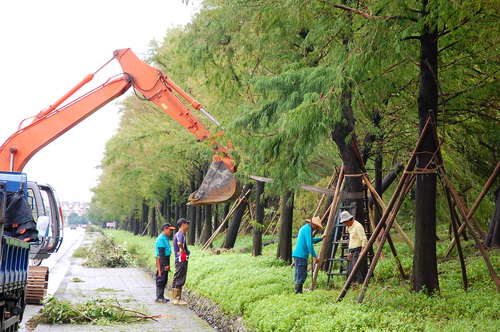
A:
(219, 185)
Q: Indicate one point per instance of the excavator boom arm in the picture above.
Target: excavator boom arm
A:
(154, 86)
(159, 89)
(18, 149)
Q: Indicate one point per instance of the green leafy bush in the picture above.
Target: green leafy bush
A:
(104, 252)
(260, 289)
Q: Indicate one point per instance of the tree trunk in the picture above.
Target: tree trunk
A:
(216, 218)
(285, 237)
(227, 207)
(192, 218)
(177, 209)
(232, 232)
(182, 204)
(133, 223)
(346, 142)
(153, 229)
(168, 206)
(425, 274)
(492, 238)
(144, 217)
(198, 223)
(259, 220)
(127, 226)
(378, 184)
(378, 167)
(207, 225)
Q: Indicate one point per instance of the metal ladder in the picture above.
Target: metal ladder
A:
(341, 240)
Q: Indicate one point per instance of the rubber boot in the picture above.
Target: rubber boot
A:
(175, 300)
(176, 295)
(298, 288)
(159, 295)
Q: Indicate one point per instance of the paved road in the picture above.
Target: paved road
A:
(58, 264)
(130, 287)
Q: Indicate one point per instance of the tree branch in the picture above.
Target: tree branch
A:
(369, 16)
(355, 11)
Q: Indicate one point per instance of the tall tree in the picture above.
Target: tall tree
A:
(425, 275)
(234, 226)
(286, 222)
(207, 224)
(492, 238)
(259, 219)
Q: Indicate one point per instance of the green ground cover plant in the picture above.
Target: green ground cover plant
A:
(260, 289)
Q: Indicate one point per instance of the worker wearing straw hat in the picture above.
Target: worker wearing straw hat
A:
(303, 249)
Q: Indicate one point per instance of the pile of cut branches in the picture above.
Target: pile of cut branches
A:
(104, 252)
(98, 312)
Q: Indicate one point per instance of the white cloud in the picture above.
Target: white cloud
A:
(47, 48)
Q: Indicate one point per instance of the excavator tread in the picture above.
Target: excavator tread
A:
(38, 280)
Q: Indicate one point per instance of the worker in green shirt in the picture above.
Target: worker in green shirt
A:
(163, 252)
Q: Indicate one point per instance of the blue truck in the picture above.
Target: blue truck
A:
(15, 257)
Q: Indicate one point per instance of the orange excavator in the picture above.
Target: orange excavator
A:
(219, 184)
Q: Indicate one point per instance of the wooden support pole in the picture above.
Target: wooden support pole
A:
(271, 222)
(479, 244)
(381, 224)
(454, 227)
(390, 220)
(381, 203)
(235, 205)
(485, 189)
(392, 247)
(302, 186)
(331, 215)
(334, 176)
(146, 228)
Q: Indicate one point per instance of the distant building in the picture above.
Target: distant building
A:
(80, 208)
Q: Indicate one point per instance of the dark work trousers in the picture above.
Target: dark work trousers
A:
(161, 281)
(300, 270)
(180, 274)
(362, 271)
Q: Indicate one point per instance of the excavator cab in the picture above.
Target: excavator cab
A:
(47, 212)
(219, 185)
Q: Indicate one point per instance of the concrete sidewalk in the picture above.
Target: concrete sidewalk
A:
(133, 289)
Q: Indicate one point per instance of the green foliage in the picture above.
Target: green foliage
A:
(277, 75)
(260, 289)
(98, 312)
(80, 252)
(260, 279)
(75, 219)
(104, 252)
(140, 248)
(106, 290)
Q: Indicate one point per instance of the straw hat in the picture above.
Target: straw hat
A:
(316, 221)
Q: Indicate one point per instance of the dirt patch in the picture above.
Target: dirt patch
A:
(211, 313)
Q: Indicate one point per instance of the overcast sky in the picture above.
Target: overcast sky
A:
(47, 48)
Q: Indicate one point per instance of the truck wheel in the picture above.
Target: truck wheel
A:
(36, 261)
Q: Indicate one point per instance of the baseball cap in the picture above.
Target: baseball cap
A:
(182, 221)
(167, 225)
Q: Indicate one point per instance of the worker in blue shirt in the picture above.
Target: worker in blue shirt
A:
(303, 249)
(163, 252)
